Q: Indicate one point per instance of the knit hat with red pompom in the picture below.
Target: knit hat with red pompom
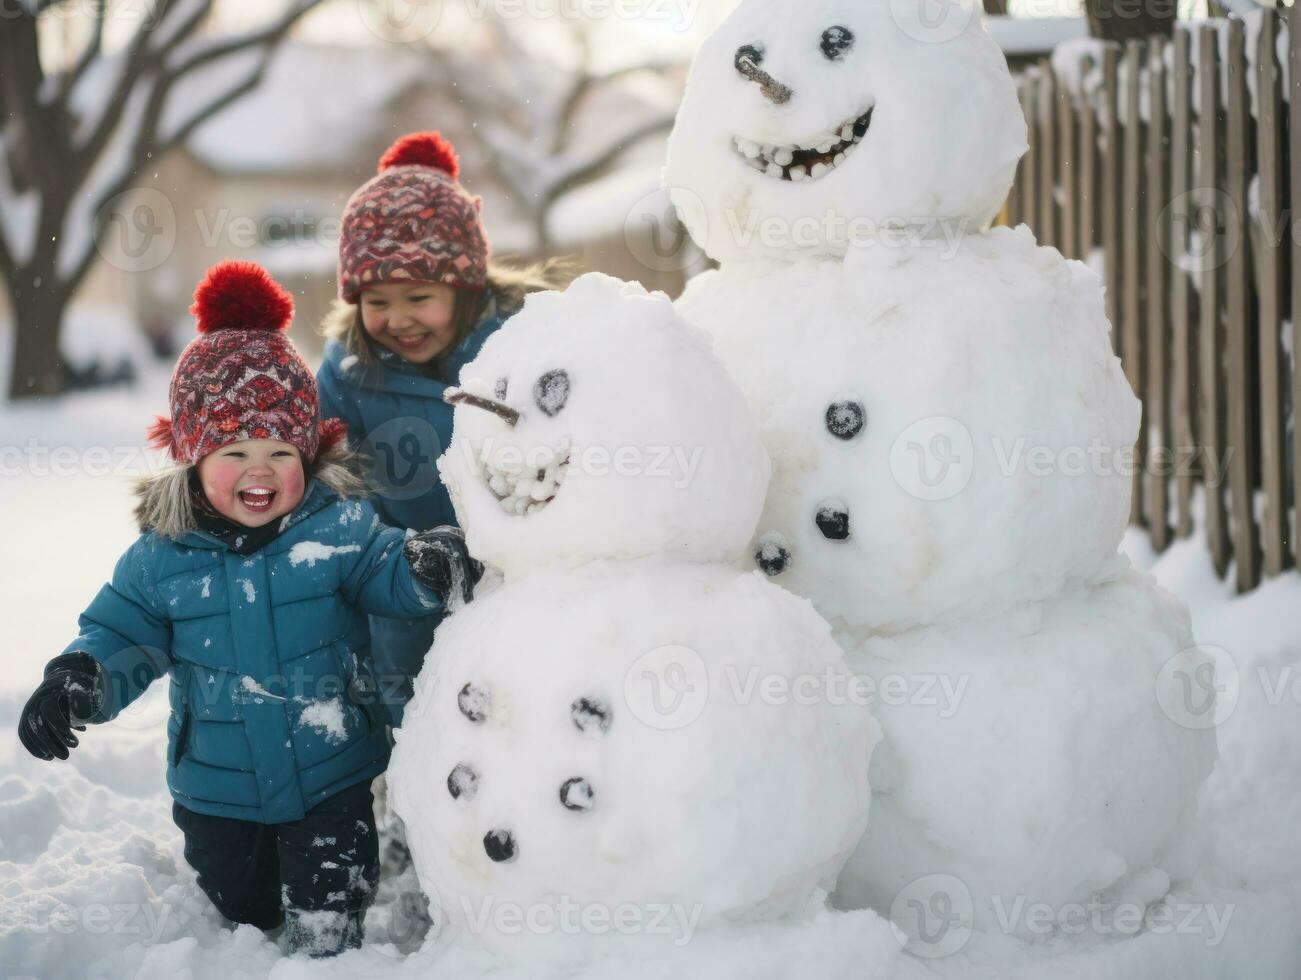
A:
(413, 222)
(241, 377)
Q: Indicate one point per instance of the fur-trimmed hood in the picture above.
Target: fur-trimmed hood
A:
(163, 503)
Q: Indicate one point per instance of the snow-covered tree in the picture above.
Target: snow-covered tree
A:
(75, 135)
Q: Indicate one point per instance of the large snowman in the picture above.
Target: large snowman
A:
(627, 726)
(950, 435)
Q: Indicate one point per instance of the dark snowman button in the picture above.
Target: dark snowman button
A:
(576, 794)
(833, 520)
(551, 391)
(463, 782)
(836, 42)
(772, 555)
(590, 714)
(499, 389)
(845, 419)
(473, 702)
(500, 845)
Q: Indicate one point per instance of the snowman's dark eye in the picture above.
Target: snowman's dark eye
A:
(836, 42)
(748, 52)
(499, 389)
(551, 391)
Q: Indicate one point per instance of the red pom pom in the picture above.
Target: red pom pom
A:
(422, 150)
(333, 432)
(159, 436)
(241, 296)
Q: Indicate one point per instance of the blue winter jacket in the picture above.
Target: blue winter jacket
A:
(396, 416)
(271, 694)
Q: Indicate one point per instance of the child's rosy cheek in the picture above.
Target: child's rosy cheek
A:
(293, 483)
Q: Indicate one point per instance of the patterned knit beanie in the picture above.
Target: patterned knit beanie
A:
(412, 222)
(241, 377)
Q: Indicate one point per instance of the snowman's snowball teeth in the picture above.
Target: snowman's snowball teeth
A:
(581, 435)
(806, 125)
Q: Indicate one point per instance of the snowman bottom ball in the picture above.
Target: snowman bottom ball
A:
(587, 748)
(1050, 756)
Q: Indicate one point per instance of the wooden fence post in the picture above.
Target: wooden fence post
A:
(1212, 222)
(1294, 114)
(1088, 158)
(1239, 333)
(1029, 162)
(1134, 244)
(1068, 167)
(1155, 469)
(1046, 120)
(1112, 135)
(1269, 157)
(1183, 360)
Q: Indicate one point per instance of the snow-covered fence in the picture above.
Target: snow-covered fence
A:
(1167, 165)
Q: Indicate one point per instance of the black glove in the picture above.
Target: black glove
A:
(439, 560)
(70, 695)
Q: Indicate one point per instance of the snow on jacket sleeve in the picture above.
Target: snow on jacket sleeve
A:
(126, 633)
(380, 581)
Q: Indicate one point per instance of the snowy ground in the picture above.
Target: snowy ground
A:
(93, 884)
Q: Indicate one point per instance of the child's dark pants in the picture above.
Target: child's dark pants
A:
(317, 875)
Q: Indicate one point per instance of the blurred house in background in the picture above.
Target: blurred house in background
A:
(267, 178)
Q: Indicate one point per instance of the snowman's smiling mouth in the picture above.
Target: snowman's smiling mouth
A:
(526, 487)
(826, 152)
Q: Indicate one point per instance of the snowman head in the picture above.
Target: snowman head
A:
(598, 424)
(808, 127)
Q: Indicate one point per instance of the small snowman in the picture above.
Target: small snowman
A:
(627, 734)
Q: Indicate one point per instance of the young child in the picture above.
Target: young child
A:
(418, 298)
(249, 586)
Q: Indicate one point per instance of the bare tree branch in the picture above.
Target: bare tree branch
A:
(138, 58)
(94, 48)
(271, 34)
(584, 169)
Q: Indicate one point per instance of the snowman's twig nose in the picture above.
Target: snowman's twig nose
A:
(773, 90)
(456, 396)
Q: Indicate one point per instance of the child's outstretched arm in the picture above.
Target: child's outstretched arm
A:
(122, 648)
(408, 579)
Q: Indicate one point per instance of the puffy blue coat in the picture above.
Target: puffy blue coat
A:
(271, 693)
(396, 416)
